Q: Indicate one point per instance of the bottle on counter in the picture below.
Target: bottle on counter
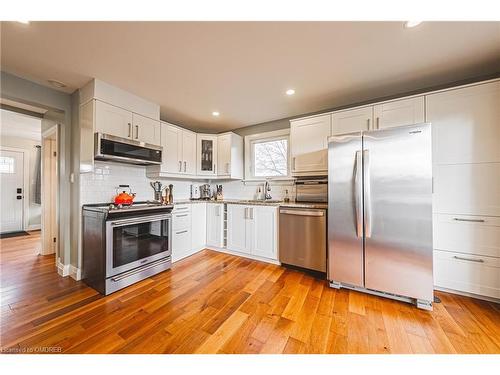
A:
(171, 194)
(286, 199)
(165, 197)
(259, 193)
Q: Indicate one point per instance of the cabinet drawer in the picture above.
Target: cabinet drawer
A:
(467, 234)
(181, 244)
(469, 189)
(467, 273)
(181, 218)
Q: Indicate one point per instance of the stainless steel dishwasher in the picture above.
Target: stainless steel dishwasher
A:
(303, 225)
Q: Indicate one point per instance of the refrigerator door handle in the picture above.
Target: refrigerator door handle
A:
(368, 199)
(358, 194)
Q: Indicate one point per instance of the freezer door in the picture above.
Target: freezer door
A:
(345, 209)
(397, 170)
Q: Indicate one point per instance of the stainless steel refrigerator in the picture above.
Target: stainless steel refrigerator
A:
(380, 213)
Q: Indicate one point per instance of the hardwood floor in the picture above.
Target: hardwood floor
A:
(218, 303)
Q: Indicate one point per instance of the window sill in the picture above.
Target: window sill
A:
(275, 180)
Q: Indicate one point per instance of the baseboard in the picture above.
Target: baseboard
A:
(62, 269)
(75, 273)
(467, 294)
(249, 256)
(34, 227)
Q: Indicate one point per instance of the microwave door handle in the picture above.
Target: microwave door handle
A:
(358, 194)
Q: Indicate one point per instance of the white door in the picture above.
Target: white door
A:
(237, 216)
(309, 144)
(172, 149)
(12, 190)
(352, 120)
(264, 231)
(146, 130)
(465, 124)
(113, 120)
(215, 224)
(188, 152)
(399, 113)
(207, 154)
(224, 154)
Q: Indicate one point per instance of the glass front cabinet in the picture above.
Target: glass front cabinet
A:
(206, 154)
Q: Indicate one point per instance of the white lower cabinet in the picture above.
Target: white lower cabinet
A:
(252, 230)
(215, 224)
(181, 232)
(467, 273)
(198, 226)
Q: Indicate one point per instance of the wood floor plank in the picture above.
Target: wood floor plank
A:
(218, 303)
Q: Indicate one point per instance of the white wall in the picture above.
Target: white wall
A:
(34, 210)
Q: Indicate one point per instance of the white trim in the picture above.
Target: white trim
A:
(75, 273)
(243, 255)
(34, 227)
(62, 269)
(249, 139)
(467, 294)
(26, 179)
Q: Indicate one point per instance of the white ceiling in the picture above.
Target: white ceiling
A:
(242, 69)
(13, 124)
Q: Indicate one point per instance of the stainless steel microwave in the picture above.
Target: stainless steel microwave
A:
(109, 147)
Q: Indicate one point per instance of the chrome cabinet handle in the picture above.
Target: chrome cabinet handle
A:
(129, 130)
(469, 220)
(184, 166)
(368, 198)
(378, 122)
(246, 212)
(227, 167)
(180, 166)
(182, 231)
(302, 212)
(358, 194)
(368, 121)
(181, 215)
(137, 132)
(294, 163)
(469, 259)
(251, 213)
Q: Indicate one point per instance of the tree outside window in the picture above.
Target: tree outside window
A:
(270, 158)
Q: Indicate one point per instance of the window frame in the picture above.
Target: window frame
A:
(251, 140)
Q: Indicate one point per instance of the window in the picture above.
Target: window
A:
(6, 164)
(266, 155)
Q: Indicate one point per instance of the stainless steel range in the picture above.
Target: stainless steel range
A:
(122, 245)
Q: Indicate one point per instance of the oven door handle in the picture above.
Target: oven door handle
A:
(143, 219)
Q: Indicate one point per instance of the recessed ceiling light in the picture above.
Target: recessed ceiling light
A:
(410, 24)
(290, 91)
(215, 113)
(57, 84)
(25, 22)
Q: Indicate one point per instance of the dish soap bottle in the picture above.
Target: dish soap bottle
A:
(286, 199)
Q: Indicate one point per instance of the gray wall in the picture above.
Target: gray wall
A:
(59, 106)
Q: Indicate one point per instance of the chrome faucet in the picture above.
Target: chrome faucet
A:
(267, 189)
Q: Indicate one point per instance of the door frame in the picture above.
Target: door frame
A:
(47, 137)
(26, 192)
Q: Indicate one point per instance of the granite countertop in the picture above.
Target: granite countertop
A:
(256, 203)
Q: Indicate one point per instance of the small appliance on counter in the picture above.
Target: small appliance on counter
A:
(205, 192)
(195, 192)
(218, 193)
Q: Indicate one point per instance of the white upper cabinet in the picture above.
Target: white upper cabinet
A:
(188, 152)
(113, 120)
(171, 140)
(309, 144)
(206, 148)
(230, 156)
(352, 120)
(146, 130)
(465, 124)
(399, 113)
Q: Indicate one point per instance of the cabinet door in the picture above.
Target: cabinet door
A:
(237, 216)
(264, 231)
(352, 120)
(309, 144)
(188, 152)
(465, 124)
(207, 154)
(198, 226)
(113, 120)
(181, 244)
(146, 130)
(215, 222)
(171, 138)
(399, 113)
(224, 154)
